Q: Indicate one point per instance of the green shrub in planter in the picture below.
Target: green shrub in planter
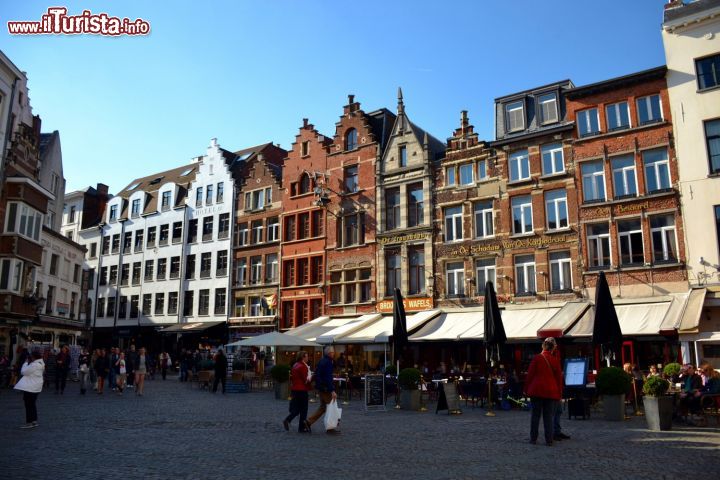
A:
(280, 373)
(672, 370)
(656, 386)
(612, 381)
(409, 378)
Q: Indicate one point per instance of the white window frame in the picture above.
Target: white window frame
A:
(656, 169)
(484, 219)
(511, 112)
(466, 167)
(627, 237)
(554, 153)
(257, 232)
(243, 233)
(487, 267)
(453, 224)
(523, 205)
(590, 179)
(113, 213)
(28, 222)
(583, 119)
(482, 170)
(563, 265)
(648, 105)
(272, 268)
(13, 269)
(256, 270)
(623, 172)
(598, 240)
(135, 208)
(664, 232)
(519, 162)
(241, 272)
(450, 178)
(614, 110)
(273, 233)
(525, 274)
(457, 273)
(557, 205)
(544, 99)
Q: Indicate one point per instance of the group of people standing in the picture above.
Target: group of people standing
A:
(121, 369)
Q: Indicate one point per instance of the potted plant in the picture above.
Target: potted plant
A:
(658, 406)
(281, 378)
(409, 380)
(671, 371)
(613, 383)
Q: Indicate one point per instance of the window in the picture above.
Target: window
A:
(160, 303)
(649, 109)
(221, 263)
(256, 199)
(243, 235)
(556, 209)
(484, 223)
(522, 214)
(273, 233)
(116, 243)
(93, 250)
(220, 301)
(256, 270)
(717, 222)
(127, 242)
(598, 245)
(204, 302)
(113, 213)
(664, 243)
(393, 276)
(548, 108)
(175, 267)
(172, 303)
(207, 232)
(351, 179)
(100, 305)
(54, 259)
(111, 307)
(190, 267)
(135, 212)
(304, 225)
(257, 231)
(402, 156)
(416, 257)
(305, 148)
(708, 72)
(71, 215)
(137, 272)
(453, 224)
(205, 264)
(177, 232)
(125, 274)
(336, 287)
(165, 205)
(482, 170)
(631, 242)
(151, 237)
(455, 275)
(484, 272)
(351, 229)
(198, 197)
(209, 195)
(149, 270)
(392, 208)
(188, 303)
(69, 234)
(11, 273)
(350, 287)
(416, 204)
(588, 123)
(164, 234)
(256, 306)
(317, 223)
(288, 273)
(105, 245)
(618, 116)
(624, 181)
(552, 159)
(23, 220)
(515, 116)
(657, 170)
(268, 196)
(316, 270)
(450, 176)
(712, 137)
(220, 192)
(134, 306)
(139, 240)
(113, 274)
(241, 272)
(560, 272)
(351, 139)
(303, 272)
(305, 185)
(271, 268)
(525, 275)
(519, 166)
(466, 174)
(593, 181)
(161, 268)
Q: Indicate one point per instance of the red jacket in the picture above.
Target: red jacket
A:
(544, 378)
(299, 377)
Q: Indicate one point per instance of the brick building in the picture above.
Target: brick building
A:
(626, 168)
(302, 274)
(351, 221)
(256, 245)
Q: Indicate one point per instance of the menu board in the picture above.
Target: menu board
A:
(374, 392)
(575, 372)
(449, 399)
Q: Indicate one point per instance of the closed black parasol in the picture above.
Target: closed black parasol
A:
(606, 327)
(400, 336)
(495, 336)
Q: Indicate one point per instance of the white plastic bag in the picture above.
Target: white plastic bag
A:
(332, 416)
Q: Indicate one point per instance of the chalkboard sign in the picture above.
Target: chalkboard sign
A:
(448, 399)
(374, 392)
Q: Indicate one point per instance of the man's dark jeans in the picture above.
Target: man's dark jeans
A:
(546, 408)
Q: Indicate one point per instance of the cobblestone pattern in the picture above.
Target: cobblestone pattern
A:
(175, 432)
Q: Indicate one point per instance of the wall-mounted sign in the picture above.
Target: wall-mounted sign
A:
(484, 248)
(408, 237)
(536, 242)
(410, 304)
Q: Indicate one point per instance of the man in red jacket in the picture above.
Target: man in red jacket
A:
(544, 386)
(300, 382)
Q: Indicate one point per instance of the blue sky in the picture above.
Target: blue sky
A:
(247, 72)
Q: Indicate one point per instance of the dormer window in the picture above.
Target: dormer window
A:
(113, 213)
(187, 172)
(165, 205)
(305, 149)
(548, 108)
(135, 211)
(515, 116)
(402, 155)
(351, 139)
(155, 181)
(133, 186)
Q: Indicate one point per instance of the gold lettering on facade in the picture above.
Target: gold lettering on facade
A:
(403, 238)
(632, 208)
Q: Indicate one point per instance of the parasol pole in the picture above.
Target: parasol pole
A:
(490, 412)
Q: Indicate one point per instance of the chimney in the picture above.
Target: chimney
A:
(102, 189)
(305, 122)
(463, 121)
(352, 105)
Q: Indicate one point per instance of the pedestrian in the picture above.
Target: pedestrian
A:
(164, 362)
(325, 386)
(544, 387)
(300, 384)
(557, 428)
(93, 372)
(130, 359)
(121, 372)
(31, 385)
(183, 365)
(50, 366)
(221, 365)
(83, 369)
(102, 370)
(140, 371)
(112, 373)
(63, 367)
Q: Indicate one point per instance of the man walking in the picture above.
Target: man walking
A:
(325, 387)
(63, 367)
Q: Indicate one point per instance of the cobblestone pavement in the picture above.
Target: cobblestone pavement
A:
(176, 432)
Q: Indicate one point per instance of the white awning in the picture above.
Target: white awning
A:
(381, 330)
(523, 324)
(690, 320)
(563, 320)
(447, 326)
(351, 326)
(312, 329)
(672, 319)
(636, 319)
(701, 337)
